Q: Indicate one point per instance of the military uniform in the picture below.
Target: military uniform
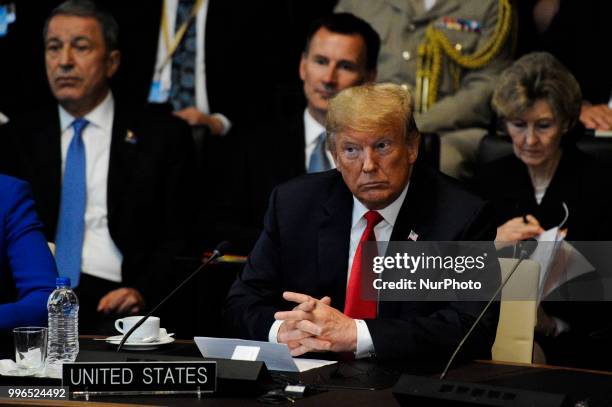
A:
(402, 26)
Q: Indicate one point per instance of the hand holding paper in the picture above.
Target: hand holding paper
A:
(517, 229)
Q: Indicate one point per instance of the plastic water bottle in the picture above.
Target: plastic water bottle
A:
(63, 311)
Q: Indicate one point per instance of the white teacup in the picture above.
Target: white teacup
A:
(149, 329)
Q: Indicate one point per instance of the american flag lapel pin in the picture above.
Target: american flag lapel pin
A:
(413, 236)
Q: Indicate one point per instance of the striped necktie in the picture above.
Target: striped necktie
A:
(182, 93)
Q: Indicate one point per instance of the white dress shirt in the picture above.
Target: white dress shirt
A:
(312, 130)
(165, 75)
(382, 231)
(100, 256)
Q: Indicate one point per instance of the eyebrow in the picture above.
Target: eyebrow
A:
(79, 38)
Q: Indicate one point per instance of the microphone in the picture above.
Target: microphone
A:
(429, 392)
(218, 252)
(525, 252)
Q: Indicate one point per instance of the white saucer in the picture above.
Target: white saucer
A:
(164, 339)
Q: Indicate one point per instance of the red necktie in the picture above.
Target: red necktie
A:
(354, 306)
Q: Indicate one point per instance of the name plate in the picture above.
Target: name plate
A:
(140, 376)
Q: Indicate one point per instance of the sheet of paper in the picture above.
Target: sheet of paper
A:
(245, 353)
(544, 253)
(309, 364)
(569, 263)
(276, 356)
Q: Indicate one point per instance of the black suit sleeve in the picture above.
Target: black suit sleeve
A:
(256, 294)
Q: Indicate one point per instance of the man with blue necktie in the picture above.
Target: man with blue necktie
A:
(340, 52)
(110, 186)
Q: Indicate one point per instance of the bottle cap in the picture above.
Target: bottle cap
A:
(62, 281)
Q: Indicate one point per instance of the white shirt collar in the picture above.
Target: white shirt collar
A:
(388, 213)
(312, 128)
(98, 117)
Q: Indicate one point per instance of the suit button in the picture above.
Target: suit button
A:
(406, 55)
(458, 47)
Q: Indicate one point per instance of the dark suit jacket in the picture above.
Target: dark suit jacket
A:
(225, 53)
(148, 185)
(578, 182)
(271, 155)
(582, 183)
(305, 244)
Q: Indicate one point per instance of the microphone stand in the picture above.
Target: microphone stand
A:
(218, 252)
(524, 254)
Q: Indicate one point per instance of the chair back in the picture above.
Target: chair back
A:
(429, 149)
(496, 146)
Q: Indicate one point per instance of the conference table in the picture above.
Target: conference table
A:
(346, 383)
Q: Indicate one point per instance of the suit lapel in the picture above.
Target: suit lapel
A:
(414, 218)
(334, 240)
(415, 214)
(47, 148)
(119, 168)
(298, 136)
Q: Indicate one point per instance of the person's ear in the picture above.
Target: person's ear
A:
(413, 146)
(112, 63)
(303, 66)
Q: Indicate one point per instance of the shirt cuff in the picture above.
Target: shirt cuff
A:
(365, 346)
(273, 333)
(227, 125)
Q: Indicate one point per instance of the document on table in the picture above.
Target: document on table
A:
(276, 356)
(309, 364)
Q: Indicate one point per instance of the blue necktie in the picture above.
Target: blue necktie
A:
(318, 158)
(71, 223)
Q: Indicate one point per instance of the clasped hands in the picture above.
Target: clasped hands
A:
(315, 326)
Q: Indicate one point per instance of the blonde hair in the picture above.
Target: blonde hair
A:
(383, 108)
(538, 76)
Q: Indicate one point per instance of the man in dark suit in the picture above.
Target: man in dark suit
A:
(340, 51)
(311, 242)
(199, 73)
(111, 188)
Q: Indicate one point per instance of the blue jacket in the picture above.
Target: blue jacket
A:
(27, 268)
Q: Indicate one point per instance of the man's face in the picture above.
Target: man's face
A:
(375, 167)
(77, 61)
(333, 62)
